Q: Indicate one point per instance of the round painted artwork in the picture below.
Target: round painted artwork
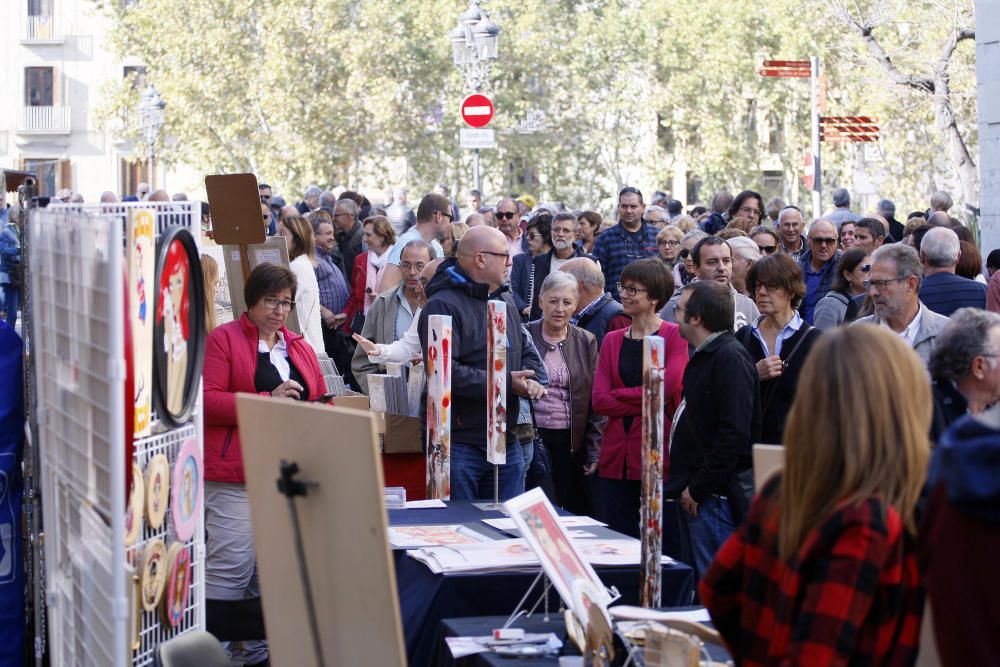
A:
(179, 326)
(187, 489)
(175, 596)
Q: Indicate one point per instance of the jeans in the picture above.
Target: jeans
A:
(472, 476)
(11, 301)
(702, 535)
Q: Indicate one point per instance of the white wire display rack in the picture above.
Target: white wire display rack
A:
(78, 283)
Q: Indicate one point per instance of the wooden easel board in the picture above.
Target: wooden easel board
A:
(234, 201)
(344, 527)
(274, 250)
(767, 460)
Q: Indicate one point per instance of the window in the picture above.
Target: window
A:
(137, 75)
(775, 134)
(40, 8)
(38, 88)
(773, 181)
(47, 171)
(132, 174)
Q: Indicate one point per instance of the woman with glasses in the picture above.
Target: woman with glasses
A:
(522, 287)
(747, 204)
(298, 235)
(840, 305)
(254, 354)
(825, 568)
(452, 234)
(684, 268)
(668, 242)
(779, 341)
(644, 287)
(766, 239)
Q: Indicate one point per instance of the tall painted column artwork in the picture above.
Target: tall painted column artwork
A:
(651, 529)
(439, 406)
(496, 383)
(141, 279)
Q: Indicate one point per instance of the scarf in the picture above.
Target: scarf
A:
(373, 276)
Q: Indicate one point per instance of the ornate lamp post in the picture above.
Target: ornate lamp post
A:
(474, 50)
(150, 111)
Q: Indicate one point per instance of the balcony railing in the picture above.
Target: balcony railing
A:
(41, 29)
(43, 120)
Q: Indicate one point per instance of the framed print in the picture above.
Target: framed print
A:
(574, 578)
(179, 326)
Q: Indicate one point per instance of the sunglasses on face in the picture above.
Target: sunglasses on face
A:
(509, 215)
(767, 249)
(823, 240)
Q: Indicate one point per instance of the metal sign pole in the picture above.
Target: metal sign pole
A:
(817, 190)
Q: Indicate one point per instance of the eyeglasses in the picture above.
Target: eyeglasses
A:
(562, 232)
(678, 309)
(823, 240)
(866, 268)
(631, 291)
(629, 190)
(337, 215)
(881, 284)
(749, 211)
(534, 235)
(505, 255)
(410, 267)
(668, 242)
(274, 303)
(450, 217)
(500, 215)
(767, 249)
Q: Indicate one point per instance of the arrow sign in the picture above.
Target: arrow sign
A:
(477, 110)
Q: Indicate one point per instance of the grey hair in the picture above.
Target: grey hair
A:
(906, 258)
(764, 229)
(560, 280)
(348, 205)
(886, 207)
(966, 337)
(940, 247)
(829, 222)
(312, 191)
(744, 247)
(417, 244)
(327, 199)
(588, 275)
(790, 207)
(652, 208)
(841, 198)
(941, 201)
(696, 234)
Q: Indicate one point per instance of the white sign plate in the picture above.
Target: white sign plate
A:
(483, 138)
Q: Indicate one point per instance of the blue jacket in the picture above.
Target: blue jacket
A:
(967, 462)
(10, 252)
(11, 487)
(451, 292)
(826, 276)
(944, 293)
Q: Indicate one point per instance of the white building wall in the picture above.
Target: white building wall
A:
(988, 89)
(73, 41)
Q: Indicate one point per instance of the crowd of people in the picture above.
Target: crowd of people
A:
(763, 320)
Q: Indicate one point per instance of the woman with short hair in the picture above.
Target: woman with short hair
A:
(645, 286)
(254, 354)
(298, 235)
(780, 340)
(839, 306)
(569, 428)
(668, 241)
(824, 571)
(366, 282)
(590, 227)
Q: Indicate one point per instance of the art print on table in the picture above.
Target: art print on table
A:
(496, 383)
(562, 562)
(179, 330)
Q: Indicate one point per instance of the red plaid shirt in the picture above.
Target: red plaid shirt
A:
(850, 596)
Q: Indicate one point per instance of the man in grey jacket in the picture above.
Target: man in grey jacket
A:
(894, 286)
(713, 260)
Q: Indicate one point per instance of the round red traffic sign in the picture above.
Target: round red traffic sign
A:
(477, 110)
(808, 171)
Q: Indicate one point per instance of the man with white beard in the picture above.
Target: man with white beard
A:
(564, 248)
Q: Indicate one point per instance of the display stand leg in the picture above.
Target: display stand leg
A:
(290, 488)
(494, 506)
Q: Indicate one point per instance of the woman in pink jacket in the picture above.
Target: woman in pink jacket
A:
(254, 354)
(645, 286)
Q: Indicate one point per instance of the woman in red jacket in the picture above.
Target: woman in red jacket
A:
(824, 571)
(645, 286)
(254, 354)
(366, 281)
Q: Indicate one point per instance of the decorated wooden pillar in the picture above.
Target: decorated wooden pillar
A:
(496, 383)
(651, 530)
(439, 406)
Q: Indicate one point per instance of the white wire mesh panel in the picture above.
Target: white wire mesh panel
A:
(77, 262)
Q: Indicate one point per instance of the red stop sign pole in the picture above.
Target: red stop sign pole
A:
(477, 110)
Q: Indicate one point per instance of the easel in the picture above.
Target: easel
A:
(234, 201)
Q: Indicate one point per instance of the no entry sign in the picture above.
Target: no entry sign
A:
(477, 110)
(809, 171)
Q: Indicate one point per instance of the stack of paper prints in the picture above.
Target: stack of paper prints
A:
(516, 555)
(409, 537)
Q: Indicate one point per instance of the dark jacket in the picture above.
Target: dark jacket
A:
(541, 266)
(719, 423)
(520, 280)
(350, 247)
(579, 353)
(451, 292)
(826, 277)
(605, 316)
(959, 538)
(944, 293)
(777, 394)
(949, 407)
(895, 230)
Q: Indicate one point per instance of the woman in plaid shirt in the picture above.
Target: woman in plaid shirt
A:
(824, 571)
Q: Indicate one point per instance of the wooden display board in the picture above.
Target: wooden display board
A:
(496, 382)
(274, 250)
(343, 523)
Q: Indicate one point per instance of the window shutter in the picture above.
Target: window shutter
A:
(65, 175)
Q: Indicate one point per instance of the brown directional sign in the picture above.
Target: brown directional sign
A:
(234, 201)
(788, 69)
(841, 129)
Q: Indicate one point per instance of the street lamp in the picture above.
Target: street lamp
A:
(474, 49)
(150, 112)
